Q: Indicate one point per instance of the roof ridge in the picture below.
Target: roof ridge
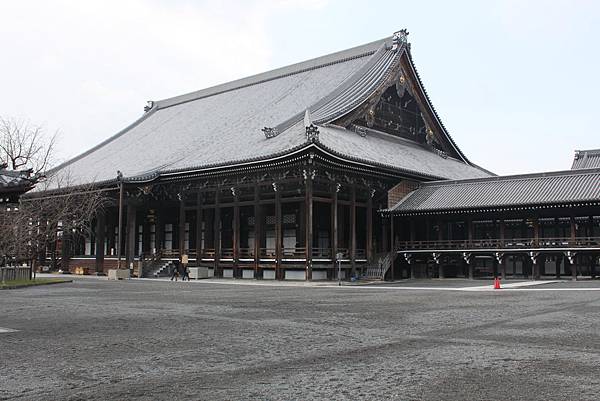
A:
(353, 53)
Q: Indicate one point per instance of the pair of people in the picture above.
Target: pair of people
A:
(180, 270)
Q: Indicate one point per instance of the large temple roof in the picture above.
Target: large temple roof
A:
(222, 125)
(516, 191)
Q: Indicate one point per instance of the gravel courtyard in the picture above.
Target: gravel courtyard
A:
(143, 340)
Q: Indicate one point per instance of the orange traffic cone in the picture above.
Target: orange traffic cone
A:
(496, 283)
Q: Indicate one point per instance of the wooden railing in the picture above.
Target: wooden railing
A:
(507, 243)
(249, 253)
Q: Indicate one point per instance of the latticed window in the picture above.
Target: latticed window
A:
(140, 238)
(168, 236)
(289, 219)
(153, 238)
(186, 238)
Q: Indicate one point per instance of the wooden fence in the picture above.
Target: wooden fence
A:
(14, 273)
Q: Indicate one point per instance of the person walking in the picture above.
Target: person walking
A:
(175, 272)
(186, 273)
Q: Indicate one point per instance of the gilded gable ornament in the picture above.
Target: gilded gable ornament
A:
(270, 132)
(312, 133)
(399, 38)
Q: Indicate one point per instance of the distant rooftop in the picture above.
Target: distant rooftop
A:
(558, 188)
(586, 159)
(13, 183)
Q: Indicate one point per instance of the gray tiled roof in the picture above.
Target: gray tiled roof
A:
(222, 125)
(586, 159)
(563, 187)
(14, 180)
(385, 150)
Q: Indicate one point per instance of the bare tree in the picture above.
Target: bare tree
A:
(45, 218)
(55, 210)
(24, 146)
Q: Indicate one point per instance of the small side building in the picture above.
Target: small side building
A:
(530, 225)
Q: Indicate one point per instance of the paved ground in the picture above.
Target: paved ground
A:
(95, 339)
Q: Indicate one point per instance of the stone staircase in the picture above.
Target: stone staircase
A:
(159, 268)
(383, 262)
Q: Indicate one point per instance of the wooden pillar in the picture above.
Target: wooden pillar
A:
(100, 238)
(279, 274)
(572, 244)
(392, 236)
(158, 232)
(501, 244)
(181, 227)
(412, 237)
(130, 235)
(217, 235)
(369, 244)
(470, 233)
(309, 226)
(495, 267)
(535, 265)
(257, 232)
(65, 250)
(471, 268)
(557, 266)
(470, 265)
(384, 233)
(353, 231)
(199, 220)
(237, 272)
(334, 228)
(536, 232)
(440, 239)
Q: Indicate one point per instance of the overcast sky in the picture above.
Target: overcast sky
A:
(515, 82)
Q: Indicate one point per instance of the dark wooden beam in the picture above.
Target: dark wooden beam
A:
(279, 274)
(440, 225)
(334, 226)
(257, 232)
(353, 230)
(130, 235)
(309, 227)
(369, 243)
(181, 227)
(217, 235)
(100, 240)
(236, 240)
(573, 236)
(470, 265)
(199, 219)
(392, 234)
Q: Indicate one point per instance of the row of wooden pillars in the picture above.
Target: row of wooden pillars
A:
(130, 229)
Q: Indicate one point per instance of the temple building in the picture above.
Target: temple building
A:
(341, 158)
